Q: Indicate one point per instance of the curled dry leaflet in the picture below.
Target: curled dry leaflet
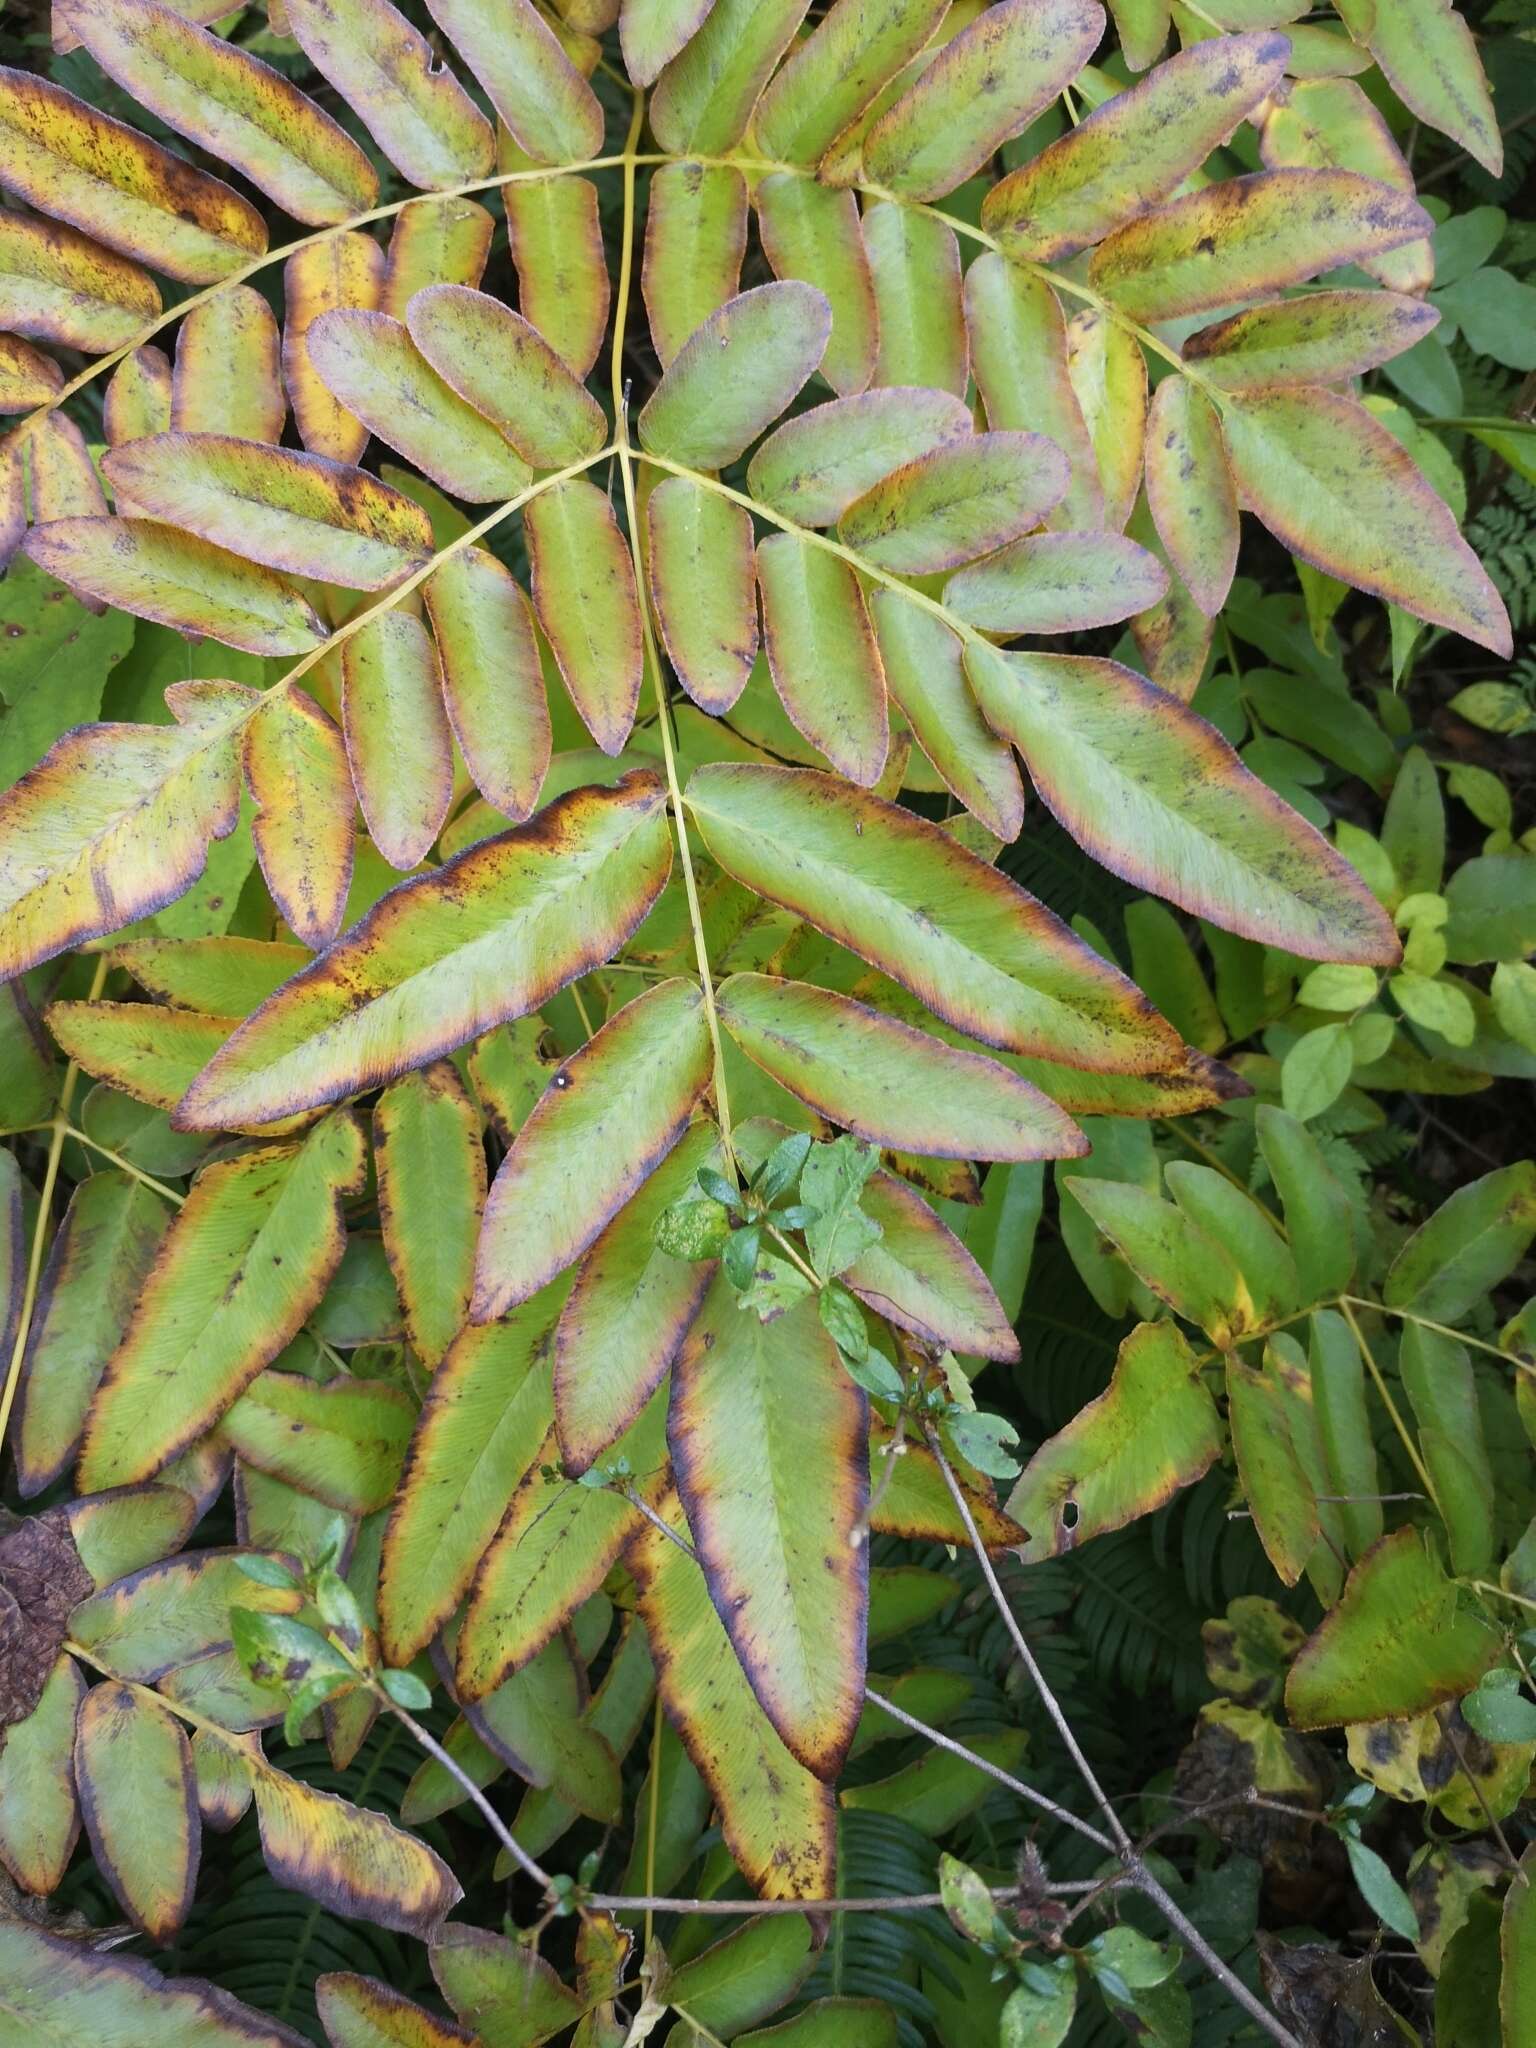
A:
(566, 565)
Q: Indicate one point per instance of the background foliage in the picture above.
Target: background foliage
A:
(331, 1494)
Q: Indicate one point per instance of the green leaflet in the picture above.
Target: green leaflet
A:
(767, 1438)
(157, 573)
(778, 1818)
(985, 85)
(695, 237)
(608, 1117)
(132, 1526)
(837, 70)
(289, 510)
(1429, 57)
(296, 771)
(1315, 338)
(1057, 583)
(584, 593)
(1108, 374)
(1339, 491)
(501, 365)
(920, 1275)
(813, 233)
(359, 2012)
(1212, 1202)
(701, 566)
(39, 1816)
(133, 1768)
(1158, 797)
(485, 1977)
(1143, 29)
(1153, 1431)
(1467, 1247)
(925, 674)
(1319, 1219)
(430, 1163)
(1517, 1949)
(704, 98)
(373, 367)
(813, 467)
(148, 1053)
(939, 1790)
(533, 1722)
(914, 264)
(55, 1992)
(651, 32)
(487, 1413)
(97, 1265)
(415, 109)
(562, 275)
(55, 668)
(1018, 343)
(546, 103)
(524, 900)
(241, 1269)
(1183, 1264)
(341, 1443)
(1246, 236)
(1075, 191)
(493, 682)
(747, 1976)
(222, 977)
(1442, 1388)
(736, 374)
(628, 1310)
(399, 747)
(1342, 1420)
(1400, 1639)
(1190, 492)
(232, 105)
(556, 1545)
(993, 962)
(172, 1613)
(1328, 123)
(822, 654)
(890, 1084)
(1273, 1478)
(965, 499)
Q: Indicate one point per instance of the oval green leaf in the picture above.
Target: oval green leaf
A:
(887, 1082)
(735, 376)
(1158, 797)
(611, 1113)
(487, 937)
(974, 947)
(289, 511)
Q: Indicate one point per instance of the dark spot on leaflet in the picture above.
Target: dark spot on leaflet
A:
(1381, 1745)
(1206, 246)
